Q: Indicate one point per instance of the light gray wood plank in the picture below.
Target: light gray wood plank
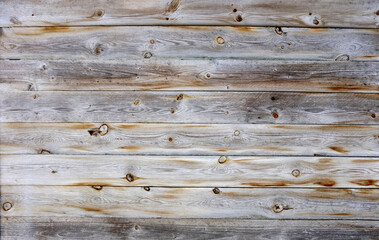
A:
(126, 228)
(189, 139)
(252, 203)
(200, 74)
(323, 13)
(149, 43)
(190, 107)
(189, 171)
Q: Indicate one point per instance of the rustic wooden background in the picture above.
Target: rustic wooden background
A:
(184, 119)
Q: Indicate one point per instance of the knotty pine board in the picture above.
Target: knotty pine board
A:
(200, 42)
(189, 139)
(323, 13)
(189, 171)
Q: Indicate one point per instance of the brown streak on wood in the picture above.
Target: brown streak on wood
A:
(81, 126)
(173, 6)
(128, 126)
(131, 148)
(325, 182)
(366, 182)
(339, 149)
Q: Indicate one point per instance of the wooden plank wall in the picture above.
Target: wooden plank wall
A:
(189, 119)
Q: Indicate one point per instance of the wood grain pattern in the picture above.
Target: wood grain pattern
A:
(200, 74)
(252, 203)
(189, 171)
(126, 228)
(148, 43)
(190, 107)
(189, 139)
(324, 13)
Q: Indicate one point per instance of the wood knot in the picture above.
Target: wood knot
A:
(373, 115)
(53, 172)
(275, 114)
(97, 187)
(147, 55)
(296, 172)
(316, 21)
(278, 208)
(170, 139)
(102, 130)
(136, 102)
(44, 151)
(235, 10)
(236, 133)
(172, 111)
(216, 190)
(223, 159)
(152, 41)
(146, 189)
(220, 40)
(180, 97)
(208, 75)
(278, 30)
(7, 206)
(99, 13)
(239, 18)
(99, 49)
(342, 57)
(129, 177)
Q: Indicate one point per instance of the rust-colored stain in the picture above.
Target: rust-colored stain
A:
(129, 126)
(131, 148)
(180, 97)
(340, 214)
(81, 126)
(325, 182)
(325, 160)
(366, 182)
(339, 149)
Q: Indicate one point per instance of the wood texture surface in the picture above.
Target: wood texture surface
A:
(148, 43)
(189, 139)
(190, 107)
(323, 13)
(189, 171)
(200, 74)
(252, 203)
(122, 228)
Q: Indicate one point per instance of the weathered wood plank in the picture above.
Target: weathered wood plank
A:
(189, 171)
(252, 203)
(189, 139)
(324, 13)
(190, 107)
(147, 43)
(126, 228)
(201, 74)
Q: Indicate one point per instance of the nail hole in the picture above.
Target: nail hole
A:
(273, 98)
(315, 21)
(146, 188)
(235, 10)
(96, 187)
(179, 97)
(277, 208)
(373, 115)
(216, 190)
(147, 55)
(223, 159)
(129, 177)
(172, 110)
(239, 18)
(236, 133)
(275, 114)
(32, 14)
(296, 172)
(310, 14)
(220, 40)
(167, 19)
(170, 139)
(208, 75)
(53, 172)
(7, 206)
